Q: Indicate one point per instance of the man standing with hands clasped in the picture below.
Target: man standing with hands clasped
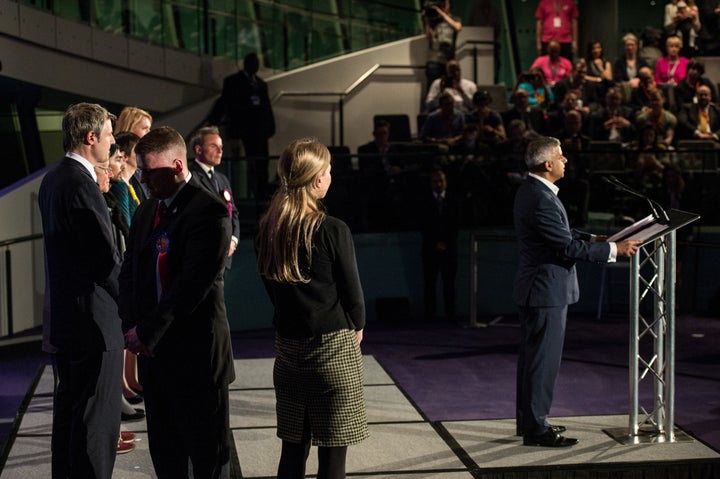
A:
(173, 311)
(545, 284)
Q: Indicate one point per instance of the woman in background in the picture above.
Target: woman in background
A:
(307, 262)
(599, 69)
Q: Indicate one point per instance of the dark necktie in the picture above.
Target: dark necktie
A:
(159, 212)
(213, 180)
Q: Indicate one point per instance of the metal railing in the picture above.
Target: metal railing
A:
(6, 290)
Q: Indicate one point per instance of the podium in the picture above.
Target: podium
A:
(652, 330)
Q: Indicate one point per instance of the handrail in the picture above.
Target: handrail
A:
(20, 239)
(8, 273)
(342, 94)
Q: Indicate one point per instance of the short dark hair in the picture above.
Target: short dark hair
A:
(160, 140)
(126, 141)
(696, 65)
(199, 137)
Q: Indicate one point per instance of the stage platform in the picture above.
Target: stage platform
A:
(402, 442)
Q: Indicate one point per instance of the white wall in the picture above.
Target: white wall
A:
(20, 216)
(387, 91)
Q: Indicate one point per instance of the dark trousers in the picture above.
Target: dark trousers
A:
(86, 413)
(542, 336)
(188, 427)
(257, 151)
(443, 264)
(331, 460)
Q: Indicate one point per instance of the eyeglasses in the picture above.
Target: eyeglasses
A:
(104, 168)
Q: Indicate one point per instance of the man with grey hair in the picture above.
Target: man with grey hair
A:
(545, 284)
(82, 328)
(207, 145)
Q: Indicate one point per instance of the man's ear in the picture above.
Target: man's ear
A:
(90, 138)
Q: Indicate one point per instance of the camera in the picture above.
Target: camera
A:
(528, 77)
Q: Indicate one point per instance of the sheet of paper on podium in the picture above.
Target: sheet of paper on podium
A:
(649, 228)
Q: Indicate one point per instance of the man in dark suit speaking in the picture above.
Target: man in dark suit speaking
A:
(173, 312)
(82, 264)
(545, 284)
(208, 147)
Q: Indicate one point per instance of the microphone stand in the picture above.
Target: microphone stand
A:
(661, 216)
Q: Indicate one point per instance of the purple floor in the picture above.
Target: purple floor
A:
(456, 373)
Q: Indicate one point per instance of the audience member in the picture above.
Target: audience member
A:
(647, 157)
(462, 90)
(683, 20)
(554, 66)
(571, 102)
(173, 310)
(84, 330)
(539, 91)
(207, 145)
(441, 29)
(627, 67)
(640, 96)
(700, 120)
(376, 156)
(710, 31)
(444, 126)
(440, 223)
(575, 185)
(532, 118)
(599, 69)
(671, 69)
(244, 108)
(613, 122)
(656, 115)
(470, 145)
(557, 20)
(686, 90)
(588, 94)
(651, 40)
(490, 125)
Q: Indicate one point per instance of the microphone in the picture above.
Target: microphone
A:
(661, 216)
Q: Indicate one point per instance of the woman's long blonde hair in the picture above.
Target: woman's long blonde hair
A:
(286, 230)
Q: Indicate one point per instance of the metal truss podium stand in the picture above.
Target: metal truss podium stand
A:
(652, 330)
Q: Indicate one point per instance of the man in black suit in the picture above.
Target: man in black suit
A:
(247, 112)
(84, 330)
(208, 147)
(173, 311)
(440, 217)
(545, 284)
(701, 120)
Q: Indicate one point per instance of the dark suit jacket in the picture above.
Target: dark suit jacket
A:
(439, 225)
(244, 107)
(546, 274)
(370, 162)
(597, 128)
(689, 120)
(82, 261)
(187, 330)
(620, 68)
(224, 184)
(138, 187)
(590, 94)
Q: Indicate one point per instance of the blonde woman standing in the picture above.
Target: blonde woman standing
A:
(307, 261)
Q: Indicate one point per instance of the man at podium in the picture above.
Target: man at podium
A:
(545, 284)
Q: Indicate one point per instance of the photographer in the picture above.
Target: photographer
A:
(533, 82)
(462, 90)
(441, 29)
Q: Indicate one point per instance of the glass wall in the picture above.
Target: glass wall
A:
(286, 34)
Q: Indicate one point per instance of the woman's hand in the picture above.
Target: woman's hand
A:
(359, 336)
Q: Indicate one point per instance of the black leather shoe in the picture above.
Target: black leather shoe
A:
(138, 415)
(549, 438)
(556, 429)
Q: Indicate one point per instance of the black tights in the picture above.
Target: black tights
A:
(292, 461)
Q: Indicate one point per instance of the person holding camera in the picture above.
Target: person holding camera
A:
(441, 29)
(537, 87)
(462, 90)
